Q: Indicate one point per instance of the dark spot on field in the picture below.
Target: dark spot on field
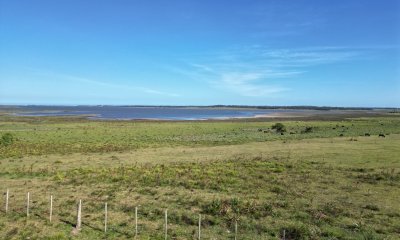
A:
(372, 207)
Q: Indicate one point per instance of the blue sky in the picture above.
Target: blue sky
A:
(204, 52)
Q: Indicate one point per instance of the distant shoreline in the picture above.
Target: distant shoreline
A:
(181, 114)
(267, 107)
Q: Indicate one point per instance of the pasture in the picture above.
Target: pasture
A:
(319, 179)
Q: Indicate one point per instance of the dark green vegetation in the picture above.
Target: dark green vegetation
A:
(279, 127)
(319, 180)
(6, 139)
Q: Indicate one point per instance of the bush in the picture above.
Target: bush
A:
(308, 130)
(7, 139)
(279, 127)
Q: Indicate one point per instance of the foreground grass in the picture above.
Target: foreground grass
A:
(313, 185)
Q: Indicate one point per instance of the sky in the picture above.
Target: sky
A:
(205, 52)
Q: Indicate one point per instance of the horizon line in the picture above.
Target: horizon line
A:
(201, 106)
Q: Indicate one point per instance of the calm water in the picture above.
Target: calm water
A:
(120, 112)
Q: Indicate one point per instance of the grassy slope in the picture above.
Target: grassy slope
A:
(314, 185)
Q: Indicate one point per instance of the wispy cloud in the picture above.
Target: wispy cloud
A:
(124, 87)
(202, 67)
(245, 84)
(152, 91)
(256, 71)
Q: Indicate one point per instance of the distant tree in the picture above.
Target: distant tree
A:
(279, 127)
(7, 139)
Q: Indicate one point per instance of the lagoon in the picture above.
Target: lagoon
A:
(146, 112)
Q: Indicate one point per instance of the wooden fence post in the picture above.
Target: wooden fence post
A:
(105, 217)
(51, 207)
(27, 204)
(136, 222)
(79, 216)
(166, 224)
(7, 195)
(199, 226)
(236, 227)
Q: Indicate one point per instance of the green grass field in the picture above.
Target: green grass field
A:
(333, 179)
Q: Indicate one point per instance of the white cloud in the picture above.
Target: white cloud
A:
(256, 70)
(246, 84)
(202, 67)
(104, 84)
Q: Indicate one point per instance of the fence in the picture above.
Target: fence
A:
(78, 224)
(80, 211)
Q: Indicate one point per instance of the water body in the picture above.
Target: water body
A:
(130, 113)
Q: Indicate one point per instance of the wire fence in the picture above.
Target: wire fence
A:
(90, 213)
(104, 217)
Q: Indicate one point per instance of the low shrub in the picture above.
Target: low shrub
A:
(7, 139)
(279, 127)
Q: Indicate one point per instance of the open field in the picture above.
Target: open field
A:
(321, 179)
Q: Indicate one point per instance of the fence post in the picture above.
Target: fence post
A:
(7, 195)
(136, 221)
(199, 226)
(27, 204)
(51, 207)
(236, 227)
(166, 224)
(79, 216)
(105, 217)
